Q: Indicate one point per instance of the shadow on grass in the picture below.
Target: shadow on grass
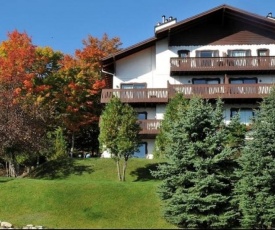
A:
(4, 180)
(59, 169)
(144, 173)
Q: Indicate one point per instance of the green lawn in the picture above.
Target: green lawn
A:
(84, 193)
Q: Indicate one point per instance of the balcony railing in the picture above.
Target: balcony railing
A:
(204, 90)
(222, 63)
(150, 126)
(136, 95)
(223, 90)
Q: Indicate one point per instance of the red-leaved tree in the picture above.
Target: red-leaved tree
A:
(74, 90)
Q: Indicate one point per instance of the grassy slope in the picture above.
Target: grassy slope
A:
(84, 194)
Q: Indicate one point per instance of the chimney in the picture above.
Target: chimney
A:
(163, 18)
(165, 23)
(269, 15)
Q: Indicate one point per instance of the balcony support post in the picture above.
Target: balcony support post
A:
(226, 84)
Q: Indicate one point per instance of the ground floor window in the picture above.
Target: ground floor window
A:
(246, 114)
(142, 151)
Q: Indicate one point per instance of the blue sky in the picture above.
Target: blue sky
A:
(63, 24)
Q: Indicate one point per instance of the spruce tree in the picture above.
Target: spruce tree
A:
(197, 181)
(178, 102)
(255, 191)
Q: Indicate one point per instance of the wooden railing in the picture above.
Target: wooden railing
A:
(222, 63)
(204, 90)
(223, 90)
(149, 126)
(136, 95)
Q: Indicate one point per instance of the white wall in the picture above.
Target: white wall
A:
(160, 110)
(150, 147)
(138, 68)
(163, 55)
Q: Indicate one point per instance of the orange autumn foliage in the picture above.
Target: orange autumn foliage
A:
(17, 55)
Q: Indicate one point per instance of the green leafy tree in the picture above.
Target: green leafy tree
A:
(255, 191)
(119, 130)
(162, 140)
(197, 181)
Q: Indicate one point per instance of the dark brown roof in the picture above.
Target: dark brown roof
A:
(225, 11)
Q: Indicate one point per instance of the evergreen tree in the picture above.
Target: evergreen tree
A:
(162, 139)
(236, 134)
(197, 180)
(119, 131)
(255, 191)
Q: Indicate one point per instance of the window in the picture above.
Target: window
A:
(239, 53)
(263, 52)
(253, 80)
(207, 53)
(208, 89)
(262, 60)
(142, 151)
(133, 85)
(142, 115)
(183, 53)
(238, 61)
(205, 58)
(246, 114)
(197, 81)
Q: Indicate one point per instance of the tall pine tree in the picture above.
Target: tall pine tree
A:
(198, 177)
(255, 191)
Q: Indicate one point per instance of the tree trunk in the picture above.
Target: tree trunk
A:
(72, 147)
(124, 170)
(118, 170)
(7, 169)
(12, 171)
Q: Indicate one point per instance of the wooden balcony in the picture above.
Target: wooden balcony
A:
(222, 64)
(149, 126)
(207, 91)
(136, 95)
